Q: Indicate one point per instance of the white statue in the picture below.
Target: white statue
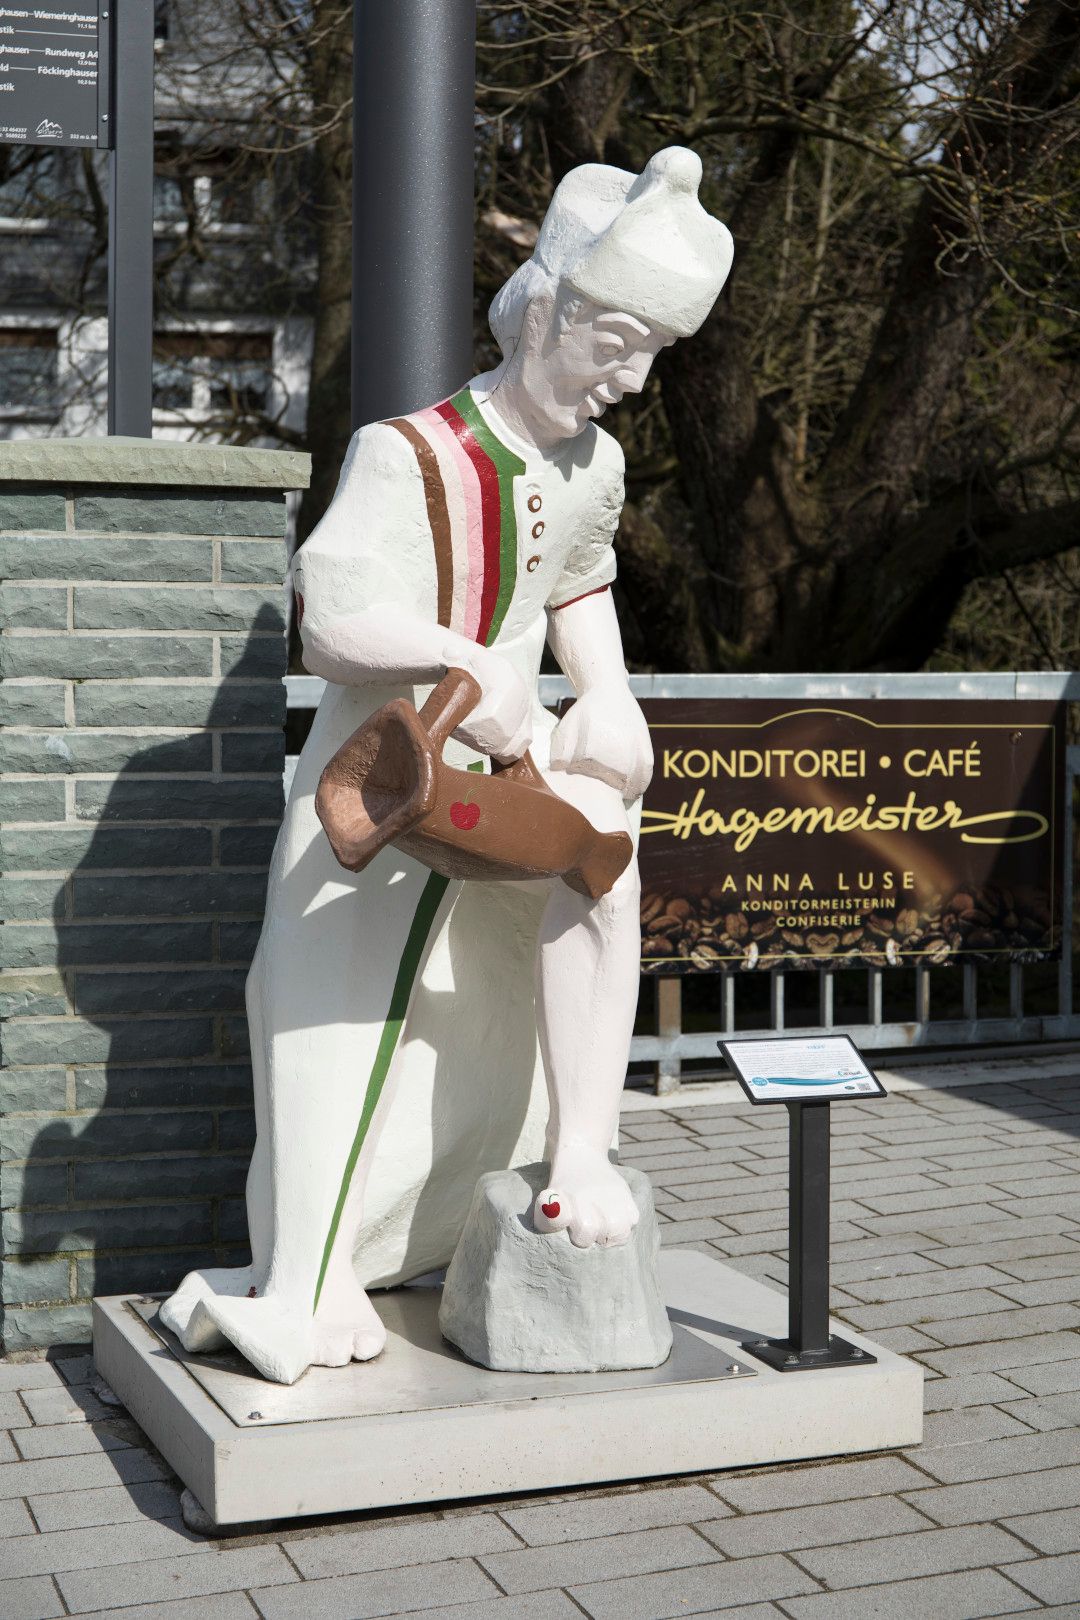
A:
(394, 1014)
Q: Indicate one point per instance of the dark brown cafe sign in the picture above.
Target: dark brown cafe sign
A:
(883, 832)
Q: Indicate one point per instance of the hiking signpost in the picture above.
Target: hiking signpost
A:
(83, 75)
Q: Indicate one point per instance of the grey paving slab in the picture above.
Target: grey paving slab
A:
(906, 1340)
(1048, 1411)
(832, 1482)
(864, 1247)
(197, 1575)
(13, 1414)
(992, 1459)
(8, 1450)
(32, 1599)
(787, 1530)
(598, 1559)
(967, 1424)
(392, 1546)
(1047, 1378)
(109, 1504)
(914, 1283)
(1025, 1166)
(528, 1606)
(1050, 1291)
(227, 1606)
(968, 1389)
(902, 1558)
(1042, 1186)
(975, 1594)
(576, 1519)
(384, 1592)
(57, 1550)
(1055, 1532)
(692, 1231)
(1007, 1252)
(67, 1404)
(72, 1440)
(1065, 1263)
(690, 1591)
(76, 1368)
(28, 1375)
(752, 1611)
(1008, 1324)
(1004, 1355)
(15, 1519)
(927, 1310)
(78, 1473)
(935, 1199)
(867, 1274)
(987, 1499)
(1052, 1580)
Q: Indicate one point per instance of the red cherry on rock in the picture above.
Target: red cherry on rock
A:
(464, 816)
(551, 1210)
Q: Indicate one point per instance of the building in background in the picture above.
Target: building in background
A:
(233, 255)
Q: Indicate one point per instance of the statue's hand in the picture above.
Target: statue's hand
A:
(501, 723)
(605, 735)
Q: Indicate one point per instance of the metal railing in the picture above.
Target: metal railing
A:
(671, 1046)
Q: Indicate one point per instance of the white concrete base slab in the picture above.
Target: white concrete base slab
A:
(422, 1424)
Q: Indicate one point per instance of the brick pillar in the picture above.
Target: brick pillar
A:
(141, 645)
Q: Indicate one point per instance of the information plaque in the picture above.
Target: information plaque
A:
(798, 1068)
(52, 85)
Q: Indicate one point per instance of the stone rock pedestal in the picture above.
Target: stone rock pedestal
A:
(518, 1300)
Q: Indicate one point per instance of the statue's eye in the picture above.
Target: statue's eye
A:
(611, 351)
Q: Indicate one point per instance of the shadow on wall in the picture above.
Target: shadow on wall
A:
(154, 931)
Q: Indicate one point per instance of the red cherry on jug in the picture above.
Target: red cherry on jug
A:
(551, 1210)
(464, 816)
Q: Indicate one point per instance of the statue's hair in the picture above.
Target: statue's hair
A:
(506, 314)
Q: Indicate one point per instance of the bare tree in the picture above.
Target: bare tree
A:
(837, 456)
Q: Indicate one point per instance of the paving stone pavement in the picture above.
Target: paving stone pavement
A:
(956, 1239)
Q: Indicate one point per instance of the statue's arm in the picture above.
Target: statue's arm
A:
(365, 592)
(604, 734)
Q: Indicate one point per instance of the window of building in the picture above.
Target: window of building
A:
(212, 374)
(161, 19)
(29, 373)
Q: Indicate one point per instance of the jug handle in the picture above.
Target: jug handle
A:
(455, 697)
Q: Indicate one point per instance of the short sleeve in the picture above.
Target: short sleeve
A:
(373, 545)
(591, 564)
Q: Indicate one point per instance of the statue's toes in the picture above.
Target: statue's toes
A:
(368, 1342)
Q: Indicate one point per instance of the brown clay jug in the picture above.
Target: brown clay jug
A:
(388, 784)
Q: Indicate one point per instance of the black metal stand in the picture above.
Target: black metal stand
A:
(131, 219)
(809, 1343)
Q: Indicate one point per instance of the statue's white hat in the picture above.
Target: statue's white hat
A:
(640, 243)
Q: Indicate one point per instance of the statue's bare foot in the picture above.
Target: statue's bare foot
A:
(281, 1339)
(587, 1198)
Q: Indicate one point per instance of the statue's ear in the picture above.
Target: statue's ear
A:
(539, 329)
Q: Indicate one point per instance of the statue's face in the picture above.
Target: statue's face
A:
(577, 358)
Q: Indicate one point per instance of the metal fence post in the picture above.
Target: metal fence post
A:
(131, 218)
(414, 93)
(668, 1027)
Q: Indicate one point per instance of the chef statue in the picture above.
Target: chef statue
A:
(408, 1031)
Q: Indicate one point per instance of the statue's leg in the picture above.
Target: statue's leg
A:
(327, 998)
(587, 986)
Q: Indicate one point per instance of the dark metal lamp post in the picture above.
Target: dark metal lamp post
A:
(414, 91)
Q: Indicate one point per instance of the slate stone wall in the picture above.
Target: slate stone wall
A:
(141, 752)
